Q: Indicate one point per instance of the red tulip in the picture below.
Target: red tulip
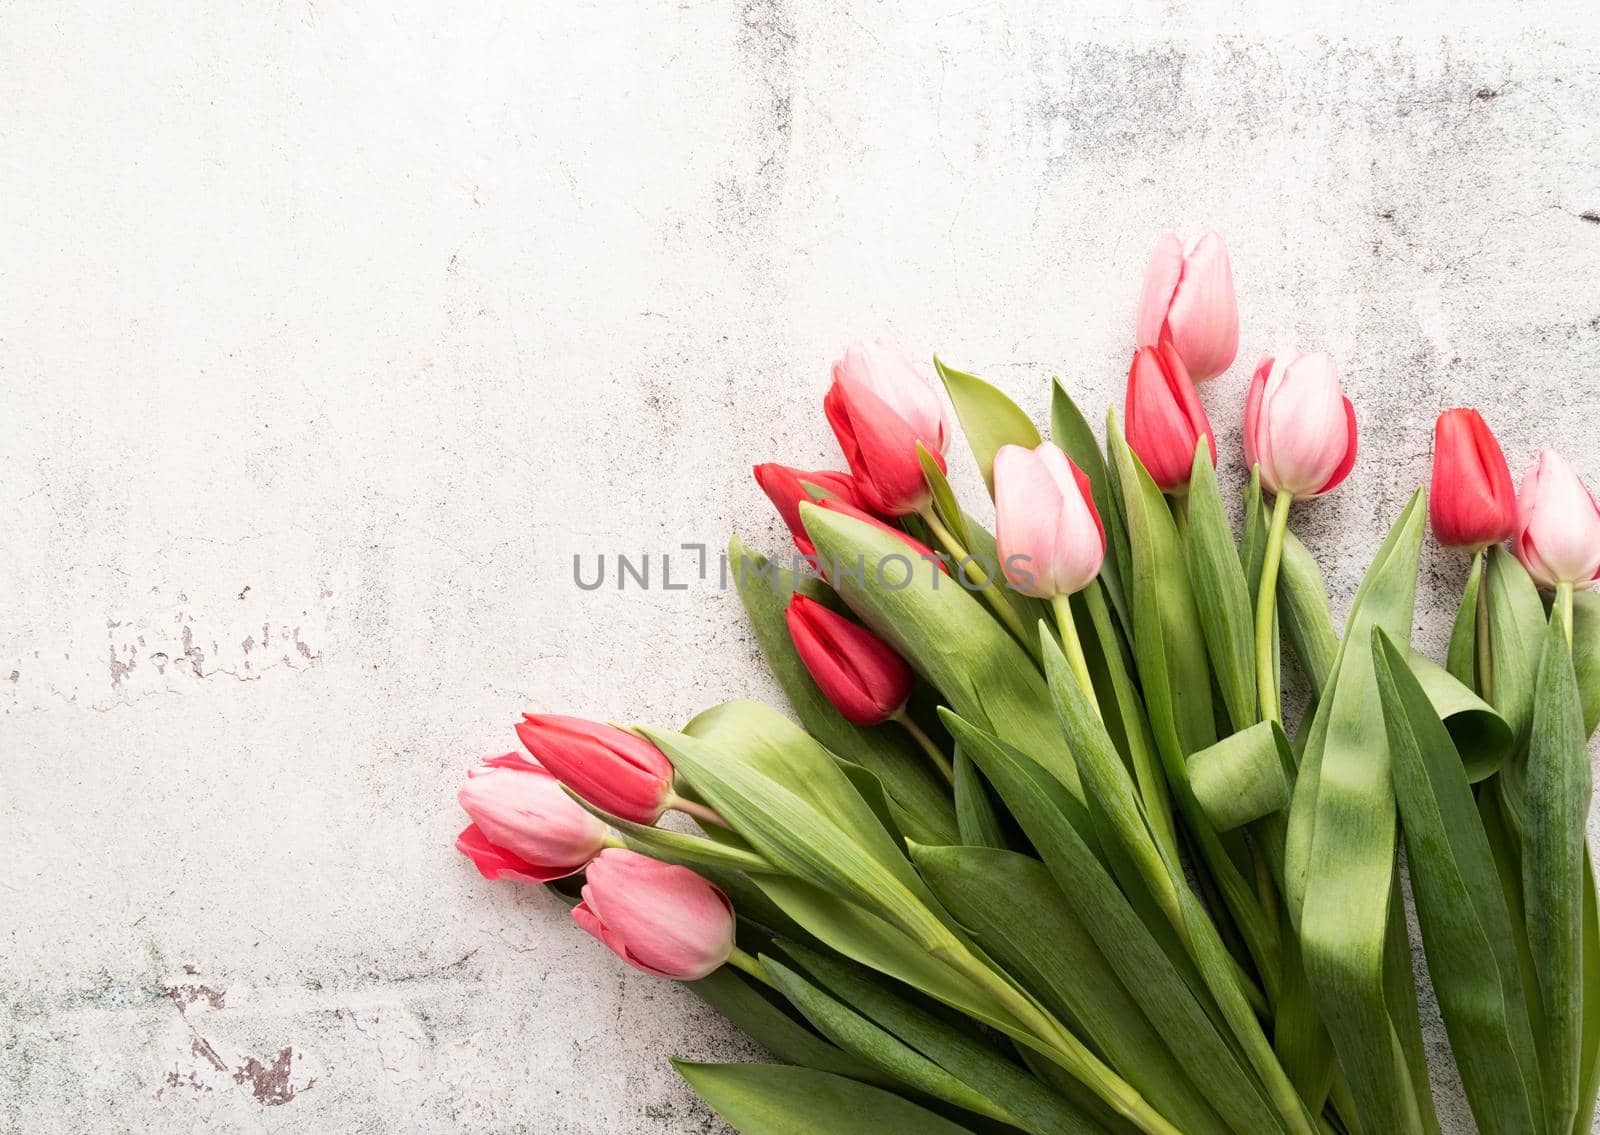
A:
(523, 826)
(1299, 428)
(612, 769)
(786, 488)
(1558, 525)
(865, 680)
(1188, 301)
(1473, 502)
(880, 407)
(1048, 535)
(1165, 420)
(659, 918)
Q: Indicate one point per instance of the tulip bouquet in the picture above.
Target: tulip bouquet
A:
(1035, 849)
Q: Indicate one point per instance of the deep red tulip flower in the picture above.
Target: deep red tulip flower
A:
(786, 488)
(1558, 525)
(866, 681)
(524, 826)
(1188, 301)
(1299, 428)
(880, 408)
(1473, 502)
(1165, 420)
(659, 918)
(916, 547)
(612, 769)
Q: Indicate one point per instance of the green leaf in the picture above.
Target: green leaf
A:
(945, 505)
(1586, 654)
(1481, 735)
(946, 635)
(988, 418)
(1466, 927)
(1462, 658)
(975, 812)
(777, 1099)
(1026, 789)
(857, 1035)
(676, 847)
(1553, 858)
(1222, 598)
(1340, 852)
(1021, 917)
(1589, 1068)
(731, 993)
(1516, 621)
(1034, 1107)
(907, 776)
(1303, 612)
(1071, 432)
(1243, 777)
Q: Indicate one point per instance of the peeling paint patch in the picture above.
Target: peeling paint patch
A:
(270, 1084)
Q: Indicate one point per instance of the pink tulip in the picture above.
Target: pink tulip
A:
(1298, 425)
(1165, 420)
(858, 672)
(1188, 301)
(786, 488)
(1473, 503)
(880, 407)
(1047, 531)
(1558, 525)
(523, 826)
(661, 919)
(612, 769)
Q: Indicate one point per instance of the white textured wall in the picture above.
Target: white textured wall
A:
(329, 333)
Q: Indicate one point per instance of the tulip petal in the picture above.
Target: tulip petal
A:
(1160, 282)
(1347, 462)
(495, 863)
(1203, 316)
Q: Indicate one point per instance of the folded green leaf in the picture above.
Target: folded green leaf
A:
(1243, 777)
(1222, 598)
(988, 418)
(1553, 859)
(778, 1099)
(1466, 927)
(1481, 735)
(907, 776)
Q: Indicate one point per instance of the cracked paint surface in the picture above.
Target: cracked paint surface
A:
(332, 334)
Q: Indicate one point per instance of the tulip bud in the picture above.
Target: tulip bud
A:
(1558, 525)
(1188, 301)
(661, 919)
(1047, 531)
(1165, 420)
(612, 769)
(1298, 425)
(1473, 503)
(786, 488)
(880, 407)
(524, 826)
(918, 549)
(865, 680)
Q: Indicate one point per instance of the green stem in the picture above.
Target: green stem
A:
(1062, 605)
(1266, 609)
(699, 811)
(750, 965)
(935, 754)
(987, 586)
(1564, 601)
(1480, 568)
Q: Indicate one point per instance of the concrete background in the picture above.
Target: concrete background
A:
(330, 333)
